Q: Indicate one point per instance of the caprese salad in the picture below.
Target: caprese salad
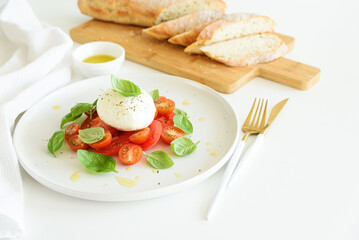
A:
(124, 121)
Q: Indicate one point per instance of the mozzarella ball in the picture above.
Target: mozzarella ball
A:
(126, 113)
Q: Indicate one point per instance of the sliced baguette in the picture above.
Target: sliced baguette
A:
(229, 27)
(247, 50)
(145, 12)
(183, 24)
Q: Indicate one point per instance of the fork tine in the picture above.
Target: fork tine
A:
(250, 113)
(255, 114)
(259, 115)
(263, 122)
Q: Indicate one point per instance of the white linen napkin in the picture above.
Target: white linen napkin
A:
(36, 67)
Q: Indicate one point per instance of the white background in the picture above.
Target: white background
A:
(304, 184)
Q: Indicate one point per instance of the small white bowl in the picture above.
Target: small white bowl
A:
(98, 48)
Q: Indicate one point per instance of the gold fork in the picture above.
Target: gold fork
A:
(250, 126)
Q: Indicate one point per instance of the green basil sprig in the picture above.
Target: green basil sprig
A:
(125, 87)
(69, 118)
(183, 123)
(179, 112)
(159, 160)
(183, 146)
(96, 162)
(91, 135)
(81, 108)
(77, 111)
(155, 94)
(55, 142)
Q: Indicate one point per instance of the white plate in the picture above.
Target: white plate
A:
(213, 119)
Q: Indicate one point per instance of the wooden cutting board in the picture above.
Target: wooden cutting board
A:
(171, 59)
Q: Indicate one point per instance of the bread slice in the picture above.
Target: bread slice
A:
(145, 12)
(189, 37)
(231, 26)
(174, 27)
(247, 50)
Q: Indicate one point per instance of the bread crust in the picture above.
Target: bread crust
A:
(180, 25)
(256, 59)
(136, 12)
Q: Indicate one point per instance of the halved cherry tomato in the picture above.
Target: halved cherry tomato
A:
(164, 121)
(170, 115)
(155, 114)
(165, 106)
(140, 136)
(155, 134)
(116, 144)
(104, 142)
(97, 122)
(130, 154)
(72, 129)
(76, 143)
(170, 133)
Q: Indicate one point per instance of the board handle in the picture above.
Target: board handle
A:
(290, 73)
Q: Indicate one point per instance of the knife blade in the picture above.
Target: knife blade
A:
(273, 114)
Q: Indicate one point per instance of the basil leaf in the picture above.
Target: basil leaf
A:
(55, 142)
(91, 135)
(68, 118)
(159, 160)
(180, 112)
(94, 104)
(155, 95)
(183, 123)
(81, 108)
(183, 146)
(124, 87)
(96, 162)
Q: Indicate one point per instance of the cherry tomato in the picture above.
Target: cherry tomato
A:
(116, 144)
(170, 133)
(104, 142)
(140, 136)
(76, 143)
(130, 154)
(155, 134)
(72, 129)
(155, 114)
(165, 106)
(164, 121)
(170, 115)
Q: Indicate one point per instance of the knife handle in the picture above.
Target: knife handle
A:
(250, 154)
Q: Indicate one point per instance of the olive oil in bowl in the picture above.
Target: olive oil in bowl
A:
(99, 59)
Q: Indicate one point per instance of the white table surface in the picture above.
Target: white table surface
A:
(304, 184)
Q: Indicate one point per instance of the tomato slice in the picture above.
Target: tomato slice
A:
(170, 133)
(97, 122)
(72, 129)
(104, 142)
(164, 121)
(155, 134)
(86, 123)
(165, 106)
(116, 144)
(130, 154)
(76, 143)
(140, 136)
